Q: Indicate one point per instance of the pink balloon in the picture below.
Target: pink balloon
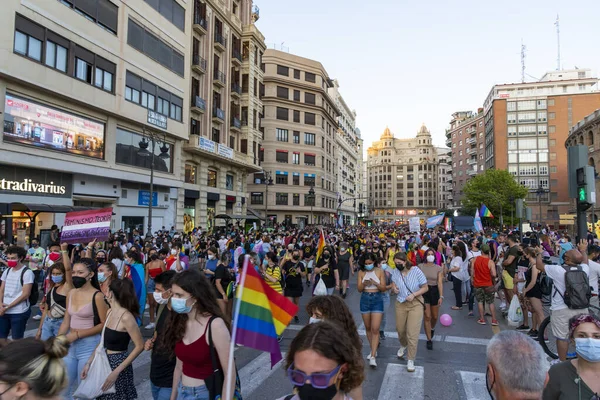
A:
(446, 320)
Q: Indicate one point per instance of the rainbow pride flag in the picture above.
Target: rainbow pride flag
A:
(485, 212)
(261, 314)
(320, 246)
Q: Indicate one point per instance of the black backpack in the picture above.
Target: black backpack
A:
(34, 296)
(545, 283)
(577, 288)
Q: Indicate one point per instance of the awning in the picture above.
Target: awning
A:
(38, 208)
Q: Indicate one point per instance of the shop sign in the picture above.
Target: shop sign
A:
(144, 198)
(157, 119)
(28, 181)
(225, 151)
(206, 144)
(33, 124)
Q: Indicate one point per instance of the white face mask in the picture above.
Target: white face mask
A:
(173, 251)
(313, 320)
(211, 257)
(159, 299)
(430, 258)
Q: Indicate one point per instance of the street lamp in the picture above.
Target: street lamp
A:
(143, 152)
(268, 181)
(311, 198)
(512, 209)
(540, 192)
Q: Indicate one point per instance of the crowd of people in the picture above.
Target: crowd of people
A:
(180, 287)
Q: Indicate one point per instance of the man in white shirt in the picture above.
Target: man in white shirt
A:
(17, 283)
(593, 253)
(222, 243)
(560, 312)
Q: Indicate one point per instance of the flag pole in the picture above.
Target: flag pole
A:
(238, 299)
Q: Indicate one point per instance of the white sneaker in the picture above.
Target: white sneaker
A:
(147, 307)
(372, 362)
(401, 351)
(150, 325)
(410, 366)
(369, 356)
(37, 317)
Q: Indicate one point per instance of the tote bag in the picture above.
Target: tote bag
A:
(320, 289)
(91, 386)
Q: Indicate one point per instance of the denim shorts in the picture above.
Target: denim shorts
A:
(371, 302)
(150, 286)
(192, 393)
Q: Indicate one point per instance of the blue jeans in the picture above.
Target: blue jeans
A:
(14, 324)
(160, 393)
(386, 304)
(79, 354)
(50, 327)
(192, 393)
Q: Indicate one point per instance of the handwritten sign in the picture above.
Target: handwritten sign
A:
(414, 224)
(85, 226)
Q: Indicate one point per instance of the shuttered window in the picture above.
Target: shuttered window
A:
(145, 41)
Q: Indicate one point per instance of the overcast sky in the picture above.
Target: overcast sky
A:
(402, 63)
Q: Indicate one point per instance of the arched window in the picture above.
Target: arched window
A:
(590, 138)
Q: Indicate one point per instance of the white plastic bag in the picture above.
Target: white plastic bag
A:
(320, 289)
(515, 314)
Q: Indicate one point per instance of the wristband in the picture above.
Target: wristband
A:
(64, 251)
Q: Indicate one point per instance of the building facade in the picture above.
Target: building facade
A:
(298, 149)
(403, 177)
(84, 87)
(526, 126)
(348, 160)
(226, 76)
(444, 156)
(465, 137)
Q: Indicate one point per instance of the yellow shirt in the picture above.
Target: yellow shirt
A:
(274, 272)
(390, 260)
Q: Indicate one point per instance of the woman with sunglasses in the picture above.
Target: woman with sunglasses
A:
(578, 378)
(323, 363)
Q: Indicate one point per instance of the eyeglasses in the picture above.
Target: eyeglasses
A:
(318, 381)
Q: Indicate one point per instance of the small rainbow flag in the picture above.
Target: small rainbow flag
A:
(485, 212)
(320, 246)
(261, 314)
(448, 224)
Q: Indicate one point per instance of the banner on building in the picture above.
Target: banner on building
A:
(85, 226)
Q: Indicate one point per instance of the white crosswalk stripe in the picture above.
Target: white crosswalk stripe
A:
(398, 380)
(474, 385)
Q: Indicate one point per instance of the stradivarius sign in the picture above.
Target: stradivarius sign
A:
(34, 182)
(27, 185)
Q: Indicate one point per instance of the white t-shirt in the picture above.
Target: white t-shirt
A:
(594, 275)
(458, 262)
(119, 264)
(557, 274)
(13, 288)
(174, 266)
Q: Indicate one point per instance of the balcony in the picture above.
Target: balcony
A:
(472, 161)
(218, 151)
(471, 172)
(218, 115)
(236, 57)
(236, 124)
(198, 105)
(198, 64)
(200, 24)
(471, 140)
(448, 142)
(219, 78)
(236, 90)
(471, 151)
(220, 42)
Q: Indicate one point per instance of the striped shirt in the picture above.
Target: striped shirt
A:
(413, 281)
(274, 272)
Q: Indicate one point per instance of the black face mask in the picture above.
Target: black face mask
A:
(78, 281)
(296, 258)
(326, 257)
(309, 392)
(400, 267)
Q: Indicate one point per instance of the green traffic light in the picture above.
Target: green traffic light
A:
(582, 194)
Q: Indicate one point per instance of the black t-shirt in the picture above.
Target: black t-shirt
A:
(512, 268)
(327, 273)
(292, 278)
(356, 247)
(162, 364)
(308, 250)
(222, 273)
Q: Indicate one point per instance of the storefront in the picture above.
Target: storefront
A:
(189, 209)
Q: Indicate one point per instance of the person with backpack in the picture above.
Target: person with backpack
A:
(570, 294)
(17, 294)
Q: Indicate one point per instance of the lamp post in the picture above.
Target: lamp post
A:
(268, 181)
(540, 192)
(311, 198)
(151, 138)
(512, 209)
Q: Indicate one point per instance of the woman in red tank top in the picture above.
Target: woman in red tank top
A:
(196, 314)
(483, 273)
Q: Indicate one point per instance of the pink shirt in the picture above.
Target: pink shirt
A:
(82, 319)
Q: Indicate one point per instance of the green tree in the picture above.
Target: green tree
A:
(493, 188)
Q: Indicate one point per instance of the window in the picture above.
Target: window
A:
(211, 180)
(309, 139)
(309, 98)
(128, 148)
(281, 178)
(229, 182)
(146, 42)
(296, 137)
(281, 70)
(282, 135)
(148, 95)
(148, 101)
(102, 12)
(550, 102)
(296, 179)
(309, 77)
(551, 115)
(296, 158)
(281, 156)
(296, 95)
(541, 116)
(256, 198)
(296, 199)
(132, 94)
(309, 180)
(309, 159)
(104, 80)
(283, 92)
(296, 116)
(190, 174)
(28, 46)
(175, 110)
(281, 199)
(297, 75)
(527, 105)
(56, 57)
(511, 118)
(552, 129)
(309, 118)
(283, 113)
(171, 10)
(83, 70)
(162, 106)
(526, 117)
(511, 106)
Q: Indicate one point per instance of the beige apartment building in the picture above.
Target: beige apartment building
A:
(298, 151)
(83, 87)
(226, 76)
(403, 177)
(444, 156)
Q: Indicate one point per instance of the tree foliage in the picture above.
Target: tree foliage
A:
(492, 188)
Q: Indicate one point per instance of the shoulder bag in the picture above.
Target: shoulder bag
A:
(215, 382)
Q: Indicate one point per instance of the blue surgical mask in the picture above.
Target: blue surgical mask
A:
(57, 278)
(588, 349)
(179, 306)
(369, 267)
(384, 266)
(101, 277)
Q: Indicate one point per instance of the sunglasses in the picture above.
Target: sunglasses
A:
(318, 381)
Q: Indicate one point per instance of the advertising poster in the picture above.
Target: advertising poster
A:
(85, 226)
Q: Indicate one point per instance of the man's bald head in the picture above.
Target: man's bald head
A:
(573, 257)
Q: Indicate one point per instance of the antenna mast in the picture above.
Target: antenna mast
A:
(557, 23)
(523, 49)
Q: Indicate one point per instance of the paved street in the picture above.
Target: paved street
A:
(453, 370)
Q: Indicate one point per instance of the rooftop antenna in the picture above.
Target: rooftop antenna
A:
(557, 23)
(523, 49)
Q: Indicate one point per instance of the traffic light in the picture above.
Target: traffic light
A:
(586, 187)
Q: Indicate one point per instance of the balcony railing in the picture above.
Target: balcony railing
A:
(236, 88)
(218, 113)
(236, 123)
(219, 39)
(198, 61)
(198, 102)
(236, 54)
(201, 21)
(219, 76)
(244, 122)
